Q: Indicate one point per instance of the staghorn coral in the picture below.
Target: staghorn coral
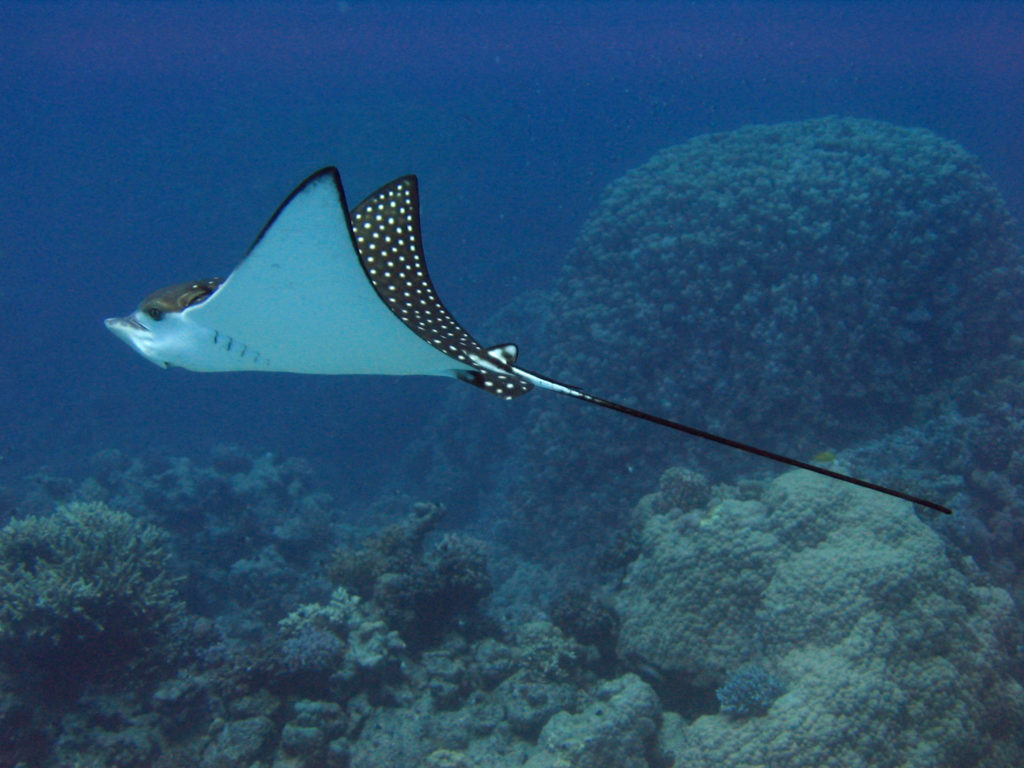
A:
(83, 590)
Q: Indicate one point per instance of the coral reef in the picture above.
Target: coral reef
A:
(83, 591)
(720, 595)
(419, 593)
(750, 690)
(588, 619)
(251, 522)
(781, 284)
(804, 270)
(681, 488)
(858, 606)
(753, 283)
(341, 642)
(616, 730)
(976, 452)
(395, 549)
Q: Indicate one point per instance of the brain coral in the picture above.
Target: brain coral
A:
(892, 652)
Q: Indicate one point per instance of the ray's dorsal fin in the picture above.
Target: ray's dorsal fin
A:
(386, 229)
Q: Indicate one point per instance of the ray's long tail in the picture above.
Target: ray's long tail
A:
(586, 397)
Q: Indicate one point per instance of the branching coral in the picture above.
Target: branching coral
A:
(419, 594)
(82, 584)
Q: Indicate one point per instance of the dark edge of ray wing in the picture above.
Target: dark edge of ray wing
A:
(386, 229)
(579, 394)
(329, 171)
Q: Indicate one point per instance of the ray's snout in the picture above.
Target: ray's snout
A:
(124, 327)
(120, 325)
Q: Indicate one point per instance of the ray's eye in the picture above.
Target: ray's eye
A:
(155, 313)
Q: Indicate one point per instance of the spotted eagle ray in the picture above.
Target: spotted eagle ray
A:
(329, 291)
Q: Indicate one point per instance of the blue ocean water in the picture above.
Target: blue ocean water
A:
(145, 144)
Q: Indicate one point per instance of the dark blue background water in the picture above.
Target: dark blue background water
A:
(145, 144)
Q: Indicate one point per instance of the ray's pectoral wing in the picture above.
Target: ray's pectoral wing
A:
(300, 301)
(386, 227)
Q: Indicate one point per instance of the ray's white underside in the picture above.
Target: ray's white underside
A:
(299, 302)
